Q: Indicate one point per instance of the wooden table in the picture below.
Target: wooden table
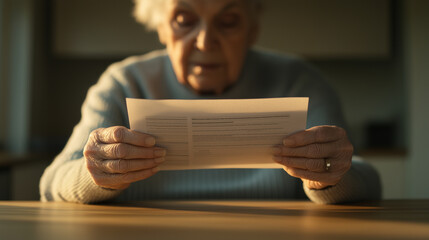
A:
(399, 219)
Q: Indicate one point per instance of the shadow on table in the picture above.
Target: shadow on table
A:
(393, 210)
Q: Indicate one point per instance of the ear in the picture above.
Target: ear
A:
(161, 34)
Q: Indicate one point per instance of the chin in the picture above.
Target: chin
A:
(205, 89)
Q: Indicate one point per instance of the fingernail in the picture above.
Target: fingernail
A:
(277, 159)
(159, 153)
(276, 151)
(150, 141)
(159, 160)
(288, 142)
(155, 169)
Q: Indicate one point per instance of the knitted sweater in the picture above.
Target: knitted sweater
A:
(151, 76)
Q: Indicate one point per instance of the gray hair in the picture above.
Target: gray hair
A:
(150, 12)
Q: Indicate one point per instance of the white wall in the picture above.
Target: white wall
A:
(417, 74)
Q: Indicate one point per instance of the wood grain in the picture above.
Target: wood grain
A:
(402, 219)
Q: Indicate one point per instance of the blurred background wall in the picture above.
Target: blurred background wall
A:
(373, 52)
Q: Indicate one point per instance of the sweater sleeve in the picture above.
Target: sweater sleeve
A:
(67, 178)
(360, 183)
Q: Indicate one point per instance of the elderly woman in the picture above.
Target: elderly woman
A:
(208, 55)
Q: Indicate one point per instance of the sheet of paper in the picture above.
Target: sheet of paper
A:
(200, 134)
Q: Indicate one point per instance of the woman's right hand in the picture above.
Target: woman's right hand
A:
(117, 156)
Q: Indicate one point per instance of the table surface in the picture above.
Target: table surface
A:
(389, 219)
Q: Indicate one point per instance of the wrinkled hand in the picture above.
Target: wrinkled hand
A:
(304, 155)
(117, 156)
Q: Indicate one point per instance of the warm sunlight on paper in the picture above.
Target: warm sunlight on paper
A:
(237, 133)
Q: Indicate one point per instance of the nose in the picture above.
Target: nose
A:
(206, 38)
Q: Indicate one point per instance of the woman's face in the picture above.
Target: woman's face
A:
(207, 41)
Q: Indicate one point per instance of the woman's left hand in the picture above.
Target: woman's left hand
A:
(319, 156)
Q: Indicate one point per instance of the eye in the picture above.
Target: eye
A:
(185, 19)
(228, 21)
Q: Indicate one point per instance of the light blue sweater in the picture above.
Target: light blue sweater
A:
(151, 76)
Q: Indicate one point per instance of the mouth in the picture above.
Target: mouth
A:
(204, 68)
(206, 65)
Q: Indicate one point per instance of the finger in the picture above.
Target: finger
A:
(317, 150)
(314, 165)
(318, 134)
(119, 134)
(330, 178)
(124, 166)
(119, 180)
(126, 151)
(315, 184)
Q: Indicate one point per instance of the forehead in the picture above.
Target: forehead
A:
(209, 6)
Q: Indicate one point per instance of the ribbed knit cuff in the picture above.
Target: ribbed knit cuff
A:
(350, 188)
(86, 191)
